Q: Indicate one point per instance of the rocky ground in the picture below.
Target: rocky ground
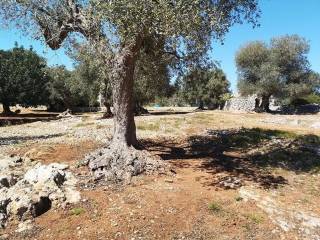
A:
(238, 176)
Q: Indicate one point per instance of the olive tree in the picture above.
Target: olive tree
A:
(90, 74)
(23, 78)
(120, 31)
(280, 69)
(289, 54)
(205, 87)
(255, 73)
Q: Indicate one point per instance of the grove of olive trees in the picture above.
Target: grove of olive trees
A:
(121, 32)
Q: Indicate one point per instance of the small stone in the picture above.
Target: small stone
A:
(114, 224)
(78, 228)
(24, 226)
(4, 236)
(168, 180)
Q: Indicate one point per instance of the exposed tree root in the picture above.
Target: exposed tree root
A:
(199, 109)
(121, 163)
(107, 115)
(140, 110)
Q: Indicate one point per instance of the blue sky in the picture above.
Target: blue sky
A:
(279, 17)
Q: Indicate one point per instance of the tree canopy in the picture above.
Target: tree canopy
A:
(183, 28)
(280, 69)
(23, 78)
(205, 87)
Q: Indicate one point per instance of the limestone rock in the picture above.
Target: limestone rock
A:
(28, 190)
(66, 114)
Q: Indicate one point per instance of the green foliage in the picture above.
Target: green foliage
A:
(238, 199)
(59, 97)
(181, 30)
(215, 207)
(23, 77)
(90, 75)
(77, 211)
(280, 69)
(176, 100)
(298, 102)
(255, 218)
(151, 76)
(152, 79)
(69, 89)
(312, 98)
(205, 87)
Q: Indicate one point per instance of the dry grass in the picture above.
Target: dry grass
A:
(195, 122)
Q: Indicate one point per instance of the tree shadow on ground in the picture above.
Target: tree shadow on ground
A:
(30, 115)
(26, 118)
(245, 154)
(164, 113)
(22, 139)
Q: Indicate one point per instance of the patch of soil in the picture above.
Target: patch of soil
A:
(23, 118)
(156, 207)
(61, 153)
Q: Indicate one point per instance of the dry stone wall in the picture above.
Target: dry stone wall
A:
(241, 103)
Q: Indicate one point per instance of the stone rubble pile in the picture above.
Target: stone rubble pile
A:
(29, 189)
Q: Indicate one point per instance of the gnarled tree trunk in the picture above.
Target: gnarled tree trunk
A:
(200, 106)
(123, 105)
(6, 109)
(139, 109)
(108, 113)
(265, 103)
(120, 160)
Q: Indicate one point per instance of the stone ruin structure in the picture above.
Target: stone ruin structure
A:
(246, 103)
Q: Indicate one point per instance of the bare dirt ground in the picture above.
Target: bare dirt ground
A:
(238, 176)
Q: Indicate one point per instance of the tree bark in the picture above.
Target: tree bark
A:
(6, 109)
(200, 107)
(122, 93)
(139, 109)
(265, 103)
(108, 113)
(108, 108)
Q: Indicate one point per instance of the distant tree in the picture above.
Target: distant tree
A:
(281, 69)
(290, 55)
(69, 89)
(60, 96)
(23, 78)
(205, 87)
(253, 61)
(150, 84)
(91, 75)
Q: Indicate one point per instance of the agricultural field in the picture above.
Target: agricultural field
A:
(232, 175)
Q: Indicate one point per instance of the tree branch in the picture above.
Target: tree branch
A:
(57, 30)
(174, 53)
